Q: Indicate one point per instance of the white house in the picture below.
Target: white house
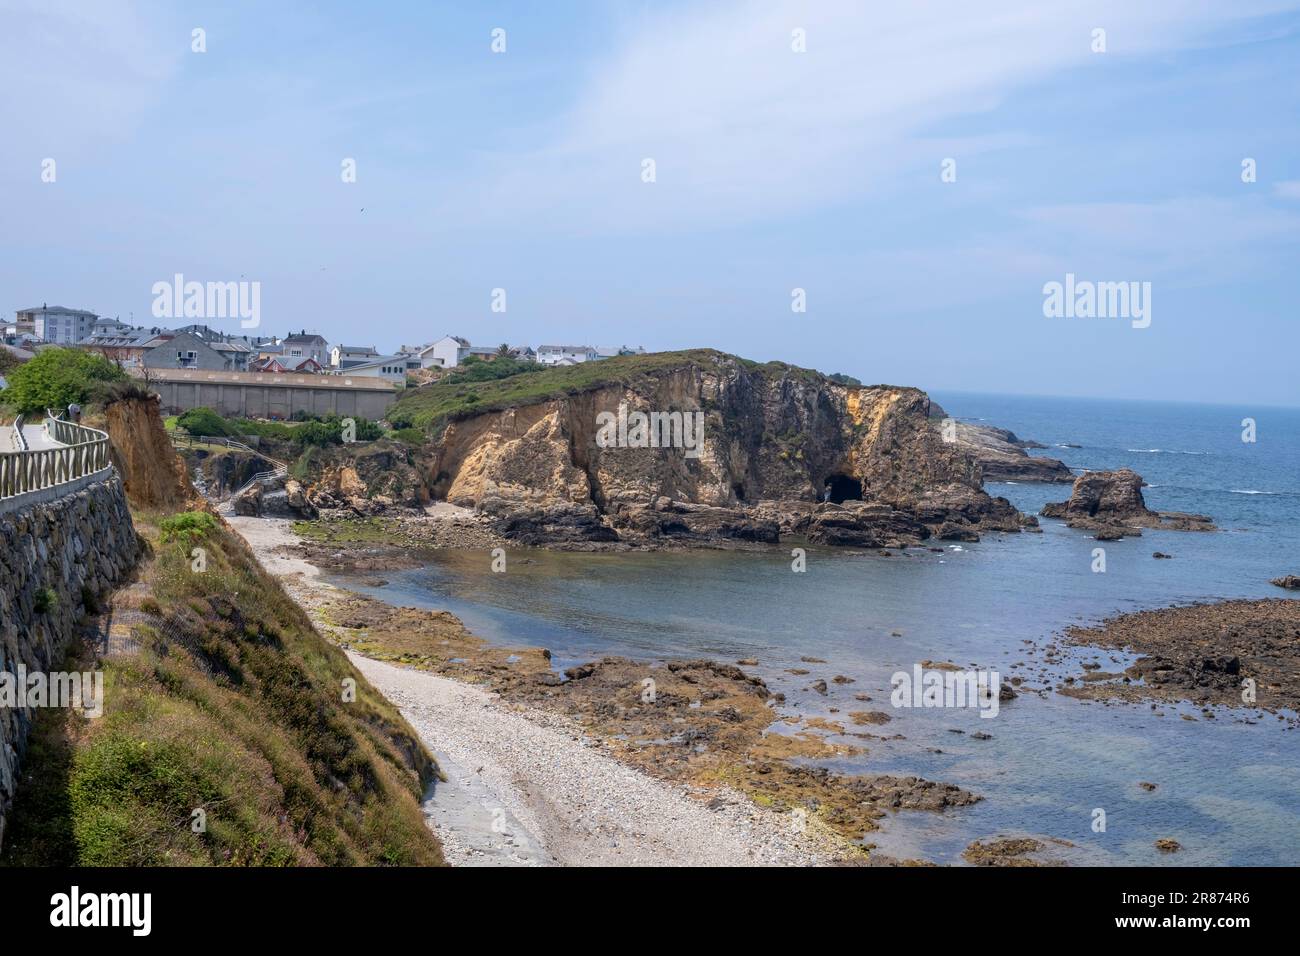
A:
(448, 352)
(348, 356)
(57, 325)
(391, 368)
(565, 354)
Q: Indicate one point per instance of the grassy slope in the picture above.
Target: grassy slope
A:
(234, 704)
(433, 405)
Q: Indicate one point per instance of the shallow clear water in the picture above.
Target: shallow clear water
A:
(1228, 791)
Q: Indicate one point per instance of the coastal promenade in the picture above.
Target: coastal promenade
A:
(42, 462)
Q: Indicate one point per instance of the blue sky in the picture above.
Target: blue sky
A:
(774, 170)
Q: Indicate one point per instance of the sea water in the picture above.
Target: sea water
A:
(1228, 790)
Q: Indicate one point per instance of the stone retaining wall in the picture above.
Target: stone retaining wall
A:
(55, 557)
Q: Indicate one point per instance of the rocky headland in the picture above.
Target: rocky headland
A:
(786, 452)
(1004, 456)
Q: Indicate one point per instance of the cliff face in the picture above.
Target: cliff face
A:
(777, 441)
(152, 472)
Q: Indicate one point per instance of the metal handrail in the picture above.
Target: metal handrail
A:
(281, 469)
(260, 476)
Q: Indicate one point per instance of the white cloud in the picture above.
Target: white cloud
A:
(742, 128)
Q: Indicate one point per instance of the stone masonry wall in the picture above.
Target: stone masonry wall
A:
(54, 557)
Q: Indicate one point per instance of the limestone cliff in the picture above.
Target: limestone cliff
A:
(778, 441)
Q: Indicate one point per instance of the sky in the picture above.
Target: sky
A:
(919, 170)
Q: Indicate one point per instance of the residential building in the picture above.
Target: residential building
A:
(305, 345)
(565, 354)
(448, 352)
(347, 356)
(609, 351)
(280, 365)
(123, 344)
(391, 368)
(56, 325)
(238, 354)
(184, 350)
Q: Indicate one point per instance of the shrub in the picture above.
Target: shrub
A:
(203, 421)
(186, 526)
(409, 436)
(475, 369)
(58, 377)
(46, 600)
(250, 426)
(329, 431)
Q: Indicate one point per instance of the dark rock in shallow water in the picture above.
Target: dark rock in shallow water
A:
(1291, 582)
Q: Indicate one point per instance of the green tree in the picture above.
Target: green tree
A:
(203, 421)
(56, 378)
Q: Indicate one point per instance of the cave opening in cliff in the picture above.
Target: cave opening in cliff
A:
(842, 488)
(738, 489)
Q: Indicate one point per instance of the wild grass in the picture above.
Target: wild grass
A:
(434, 405)
(233, 706)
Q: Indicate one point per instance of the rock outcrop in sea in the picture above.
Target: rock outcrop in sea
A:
(1110, 504)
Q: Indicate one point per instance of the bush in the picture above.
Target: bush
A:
(329, 431)
(46, 601)
(58, 377)
(475, 369)
(841, 379)
(251, 426)
(409, 436)
(186, 526)
(203, 421)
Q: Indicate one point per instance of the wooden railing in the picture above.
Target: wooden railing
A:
(81, 451)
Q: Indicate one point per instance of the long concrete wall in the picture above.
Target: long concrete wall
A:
(54, 557)
(274, 399)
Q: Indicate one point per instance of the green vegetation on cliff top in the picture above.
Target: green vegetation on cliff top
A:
(232, 705)
(434, 405)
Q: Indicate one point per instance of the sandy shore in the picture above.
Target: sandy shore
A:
(525, 787)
